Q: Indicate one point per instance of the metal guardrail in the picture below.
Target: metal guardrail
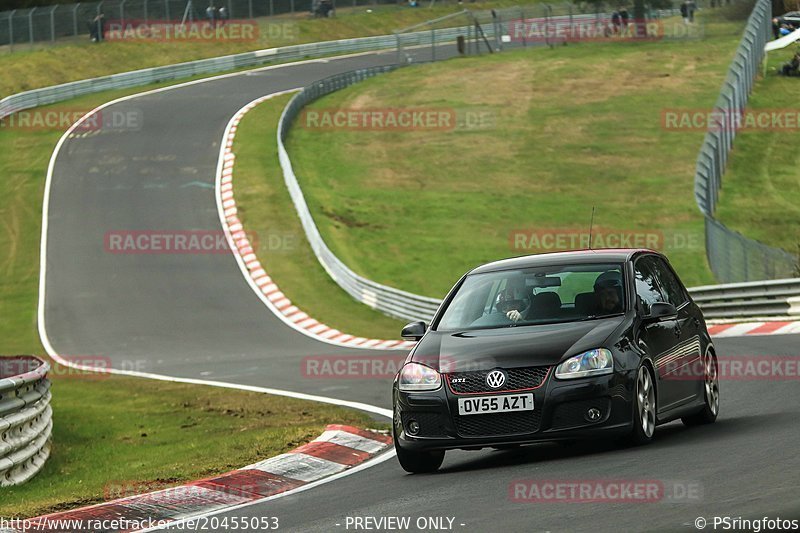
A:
(391, 301)
(137, 78)
(58, 93)
(25, 418)
(772, 298)
(732, 256)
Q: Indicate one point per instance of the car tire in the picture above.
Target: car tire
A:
(415, 462)
(644, 408)
(708, 414)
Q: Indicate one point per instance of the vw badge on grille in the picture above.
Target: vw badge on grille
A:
(496, 379)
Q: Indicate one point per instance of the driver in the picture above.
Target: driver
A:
(512, 301)
(608, 292)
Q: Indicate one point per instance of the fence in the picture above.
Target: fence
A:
(25, 418)
(48, 24)
(51, 23)
(732, 256)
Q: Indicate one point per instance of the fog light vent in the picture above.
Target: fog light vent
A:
(593, 414)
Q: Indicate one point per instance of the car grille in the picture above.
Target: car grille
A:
(498, 424)
(517, 379)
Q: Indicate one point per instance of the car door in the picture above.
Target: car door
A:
(685, 368)
(659, 337)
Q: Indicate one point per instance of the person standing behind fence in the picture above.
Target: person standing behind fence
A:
(685, 11)
(615, 21)
(623, 14)
(96, 30)
(211, 15)
(223, 15)
(692, 8)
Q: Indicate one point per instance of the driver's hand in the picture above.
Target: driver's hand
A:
(514, 315)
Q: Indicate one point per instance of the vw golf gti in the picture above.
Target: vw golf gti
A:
(553, 347)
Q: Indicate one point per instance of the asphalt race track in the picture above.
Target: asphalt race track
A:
(194, 316)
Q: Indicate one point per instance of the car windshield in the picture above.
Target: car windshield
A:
(540, 295)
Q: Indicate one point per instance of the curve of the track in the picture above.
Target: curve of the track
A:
(195, 316)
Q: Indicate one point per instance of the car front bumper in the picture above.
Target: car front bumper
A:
(560, 413)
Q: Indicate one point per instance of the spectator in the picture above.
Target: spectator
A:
(685, 11)
(623, 14)
(616, 21)
(211, 15)
(96, 28)
(323, 8)
(223, 15)
(692, 7)
(776, 28)
(785, 30)
(792, 68)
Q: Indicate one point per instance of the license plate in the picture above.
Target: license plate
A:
(495, 404)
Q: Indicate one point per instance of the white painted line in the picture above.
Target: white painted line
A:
(41, 325)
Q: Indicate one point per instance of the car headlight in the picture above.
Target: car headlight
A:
(591, 363)
(417, 377)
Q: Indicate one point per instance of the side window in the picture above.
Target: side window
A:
(647, 290)
(676, 295)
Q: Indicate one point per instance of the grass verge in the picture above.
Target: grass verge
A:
(568, 128)
(266, 209)
(41, 67)
(761, 188)
(112, 430)
(113, 433)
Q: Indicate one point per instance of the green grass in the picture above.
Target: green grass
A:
(115, 434)
(761, 188)
(76, 60)
(573, 127)
(266, 209)
(101, 423)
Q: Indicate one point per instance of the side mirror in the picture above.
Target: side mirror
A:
(661, 310)
(413, 331)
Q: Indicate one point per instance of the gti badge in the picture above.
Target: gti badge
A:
(496, 379)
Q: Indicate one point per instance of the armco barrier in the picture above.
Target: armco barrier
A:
(58, 93)
(773, 298)
(25, 418)
(391, 301)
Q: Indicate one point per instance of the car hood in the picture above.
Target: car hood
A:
(511, 347)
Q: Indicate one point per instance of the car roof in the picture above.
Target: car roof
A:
(574, 257)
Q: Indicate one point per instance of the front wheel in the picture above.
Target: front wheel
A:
(708, 414)
(644, 414)
(416, 462)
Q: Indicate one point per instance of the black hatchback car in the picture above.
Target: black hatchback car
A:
(554, 347)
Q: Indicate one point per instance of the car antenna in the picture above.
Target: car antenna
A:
(591, 225)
